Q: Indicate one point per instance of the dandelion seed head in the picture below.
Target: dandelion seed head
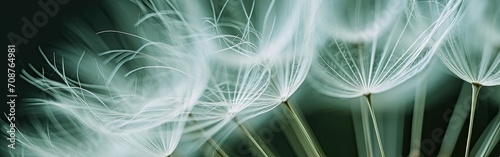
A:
(229, 92)
(142, 95)
(281, 38)
(351, 69)
(472, 58)
(472, 52)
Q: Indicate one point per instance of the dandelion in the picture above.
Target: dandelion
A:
(290, 72)
(160, 117)
(281, 38)
(376, 66)
(231, 90)
(348, 70)
(121, 106)
(143, 95)
(474, 57)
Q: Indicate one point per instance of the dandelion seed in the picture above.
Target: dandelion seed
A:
(230, 91)
(281, 37)
(474, 57)
(348, 70)
(142, 95)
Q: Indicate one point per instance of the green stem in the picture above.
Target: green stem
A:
(491, 145)
(475, 92)
(375, 125)
(283, 116)
(217, 147)
(366, 130)
(247, 133)
(418, 116)
(210, 141)
(489, 138)
(453, 129)
(305, 133)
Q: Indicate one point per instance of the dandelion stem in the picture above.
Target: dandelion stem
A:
(457, 117)
(375, 125)
(488, 139)
(290, 134)
(366, 130)
(475, 92)
(211, 141)
(247, 133)
(305, 133)
(418, 116)
(217, 147)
